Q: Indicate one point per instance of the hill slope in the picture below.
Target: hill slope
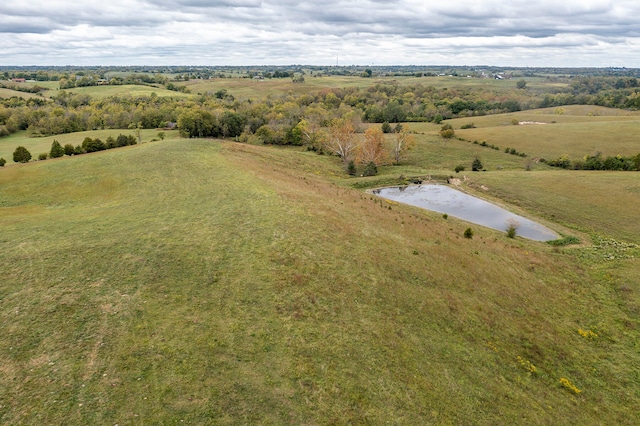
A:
(214, 282)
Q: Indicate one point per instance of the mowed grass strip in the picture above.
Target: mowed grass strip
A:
(212, 282)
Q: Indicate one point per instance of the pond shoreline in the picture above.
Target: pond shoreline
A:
(453, 201)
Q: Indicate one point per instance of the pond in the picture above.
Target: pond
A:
(444, 199)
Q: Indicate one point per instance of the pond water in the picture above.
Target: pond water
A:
(444, 199)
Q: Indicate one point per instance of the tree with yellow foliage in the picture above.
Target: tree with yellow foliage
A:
(401, 142)
(372, 148)
(341, 140)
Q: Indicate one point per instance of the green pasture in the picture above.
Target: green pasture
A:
(246, 88)
(211, 282)
(595, 202)
(573, 130)
(8, 93)
(40, 145)
(125, 90)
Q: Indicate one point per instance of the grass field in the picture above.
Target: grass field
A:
(578, 131)
(99, 92)
(8, 93)
(243, 88)
(41, 145)
(209, 282)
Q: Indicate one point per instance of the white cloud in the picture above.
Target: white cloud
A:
(244, 32)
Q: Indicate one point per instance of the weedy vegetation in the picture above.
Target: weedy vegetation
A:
(209, 281)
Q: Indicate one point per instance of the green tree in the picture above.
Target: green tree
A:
(56, 150)
(21, 155)
(93, 145)
(521, 84)
(69, 149)
(231, 124)
(447, 131)
(2, 162)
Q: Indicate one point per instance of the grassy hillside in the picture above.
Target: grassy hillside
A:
(209, 282)
(577, 131)
(8, 93)
(36, 146)
(99, 92)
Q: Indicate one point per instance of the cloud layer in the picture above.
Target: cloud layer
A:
(363, 32)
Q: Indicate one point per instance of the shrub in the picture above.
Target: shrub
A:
(56, 150)
(351, 168)
(512, 227)
(21, 155)
(122, 140)
(43, 156)
(476, 165)
(370, 169)
(2, 162)
(468, 233)
(69, 149)
(110, 142)
(386, 127)
(459, 168)
(93, 145)
(565, 241)
(468, 126)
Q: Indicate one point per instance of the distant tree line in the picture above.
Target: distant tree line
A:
(288, 118)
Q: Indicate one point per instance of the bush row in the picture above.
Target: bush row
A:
(22, 154)
(597, 162)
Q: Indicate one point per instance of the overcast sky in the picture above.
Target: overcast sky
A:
(351, 32)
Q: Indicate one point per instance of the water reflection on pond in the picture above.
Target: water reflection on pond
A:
(443, 199)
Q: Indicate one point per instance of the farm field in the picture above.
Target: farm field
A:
(126, 90)
(578, 131)
(205, 281)
(41, 145)
(8, 93)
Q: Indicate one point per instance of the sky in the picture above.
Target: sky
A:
(517, 33)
